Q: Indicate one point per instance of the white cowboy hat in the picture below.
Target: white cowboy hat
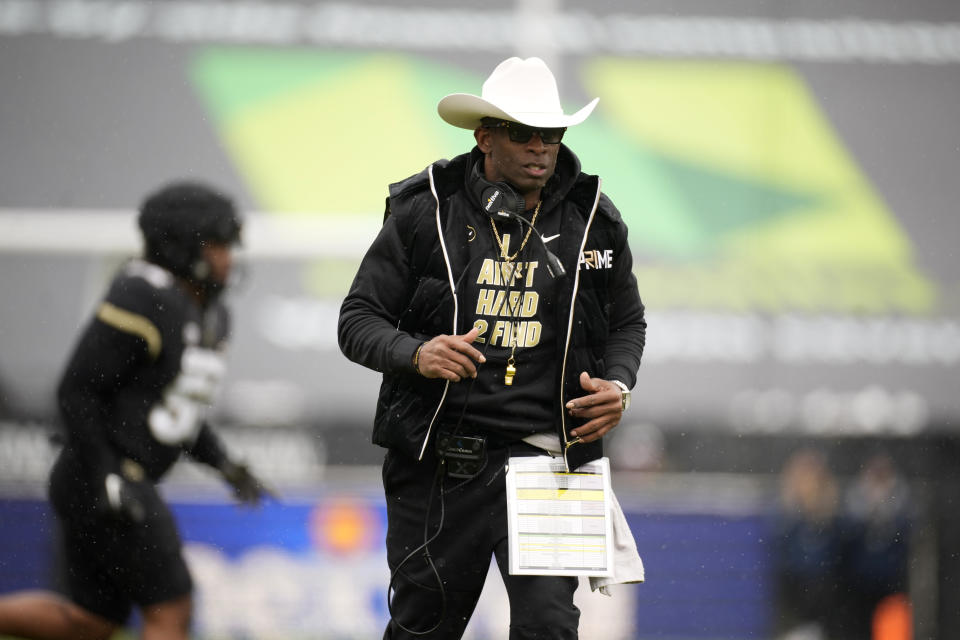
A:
(523, 91)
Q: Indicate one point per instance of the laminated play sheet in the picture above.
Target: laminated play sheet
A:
(559, 522)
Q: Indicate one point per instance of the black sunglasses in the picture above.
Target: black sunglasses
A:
(522, 133)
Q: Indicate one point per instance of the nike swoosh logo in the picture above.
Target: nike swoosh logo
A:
(547, 239)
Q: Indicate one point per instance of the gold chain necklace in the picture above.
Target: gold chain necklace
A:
(511, 362)
(496, 234)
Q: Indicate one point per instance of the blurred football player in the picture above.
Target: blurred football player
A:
(132, 398)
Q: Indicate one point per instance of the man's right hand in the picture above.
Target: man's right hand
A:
(450, 357)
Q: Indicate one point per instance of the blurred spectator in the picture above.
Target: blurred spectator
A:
(876, 549)
(808, 549)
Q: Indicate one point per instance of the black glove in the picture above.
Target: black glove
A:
(122, 500)
(247, 488)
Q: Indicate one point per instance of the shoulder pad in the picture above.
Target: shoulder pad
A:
(144, 288)
(156, 276)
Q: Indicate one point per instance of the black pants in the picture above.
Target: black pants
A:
(113, 564)
(471, 516)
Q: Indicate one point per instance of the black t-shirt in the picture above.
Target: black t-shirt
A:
(510, 301)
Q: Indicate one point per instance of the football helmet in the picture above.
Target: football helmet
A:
(178, 219)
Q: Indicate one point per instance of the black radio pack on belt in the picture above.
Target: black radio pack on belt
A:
(464, 455)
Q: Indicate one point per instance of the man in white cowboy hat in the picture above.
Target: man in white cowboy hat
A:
(499, 303)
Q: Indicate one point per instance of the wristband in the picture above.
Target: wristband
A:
(416, 358)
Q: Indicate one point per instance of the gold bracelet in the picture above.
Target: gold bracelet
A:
(416, 358)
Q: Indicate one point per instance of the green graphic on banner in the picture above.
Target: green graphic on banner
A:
(738, 192)
(740, 195)
(326, 132)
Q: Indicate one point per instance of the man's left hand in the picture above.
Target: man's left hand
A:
(602, 407)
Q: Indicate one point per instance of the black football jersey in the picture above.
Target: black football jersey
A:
(143, 375)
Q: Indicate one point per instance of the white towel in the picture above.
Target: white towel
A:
(627, 565)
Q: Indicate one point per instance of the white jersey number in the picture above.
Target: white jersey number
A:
(178, 418)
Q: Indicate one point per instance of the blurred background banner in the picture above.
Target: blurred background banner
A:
(787, 177)
(315, 567)
(788, 173)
